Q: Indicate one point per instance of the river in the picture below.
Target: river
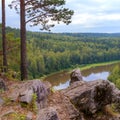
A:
(61, 80)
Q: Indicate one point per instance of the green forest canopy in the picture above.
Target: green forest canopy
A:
(51, 52)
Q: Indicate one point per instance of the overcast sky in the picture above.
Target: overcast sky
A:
(90, 16)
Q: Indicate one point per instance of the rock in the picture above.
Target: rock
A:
(29, 116)
(25, 92)
(73, 113)
(1, 101)
(75, 76)
(26, 96)
(2, 85)
(34, 87)
(48, 114)
(40, 89)
(90, 97)
(48, 86)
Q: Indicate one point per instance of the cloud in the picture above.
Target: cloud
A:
(86, 18)
(95, 13)
(90, 15)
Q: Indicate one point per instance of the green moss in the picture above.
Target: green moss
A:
(1, 91)
(13, 75)
(7, 101)
(52, 90)
(33, 105)
(15, 116)
(19, 117)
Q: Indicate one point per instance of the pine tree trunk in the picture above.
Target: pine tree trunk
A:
(4, 38)
(23, 41)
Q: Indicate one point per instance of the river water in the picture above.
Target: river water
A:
(61, 80)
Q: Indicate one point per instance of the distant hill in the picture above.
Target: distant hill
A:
(51, 52)
(93, 34)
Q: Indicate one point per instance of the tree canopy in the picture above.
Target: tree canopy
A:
(44, 12)
(48, 52)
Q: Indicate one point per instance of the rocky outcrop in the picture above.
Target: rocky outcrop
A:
(80, 101)
(92, 96)
(33, 87)
(24, 92)
(75, 76)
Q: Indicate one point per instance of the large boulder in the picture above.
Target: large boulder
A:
(48, 114)
(34, 87)
(89, 97)
(29, 90)
(75, 76)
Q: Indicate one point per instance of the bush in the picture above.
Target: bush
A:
(115, 76)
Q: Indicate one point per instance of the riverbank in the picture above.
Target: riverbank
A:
(82, 67)
(88, 66)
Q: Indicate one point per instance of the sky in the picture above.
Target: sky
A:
(98, 16)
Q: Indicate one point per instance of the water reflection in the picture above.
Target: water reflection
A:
(95, 76)
(58, 78)
(62, 85)
(99, 69)
(91, 77)
(61, 80)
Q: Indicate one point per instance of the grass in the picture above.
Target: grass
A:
(14, 116)
(88, 66)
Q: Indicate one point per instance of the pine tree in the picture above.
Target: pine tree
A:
(4, 45)
(39, 12)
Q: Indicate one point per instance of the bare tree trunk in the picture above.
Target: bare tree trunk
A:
(4, 38)
(23, 41)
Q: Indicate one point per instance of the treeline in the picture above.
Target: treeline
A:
(58, 52)
(48, 52)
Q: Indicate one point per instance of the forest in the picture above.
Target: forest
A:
(51, 52)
